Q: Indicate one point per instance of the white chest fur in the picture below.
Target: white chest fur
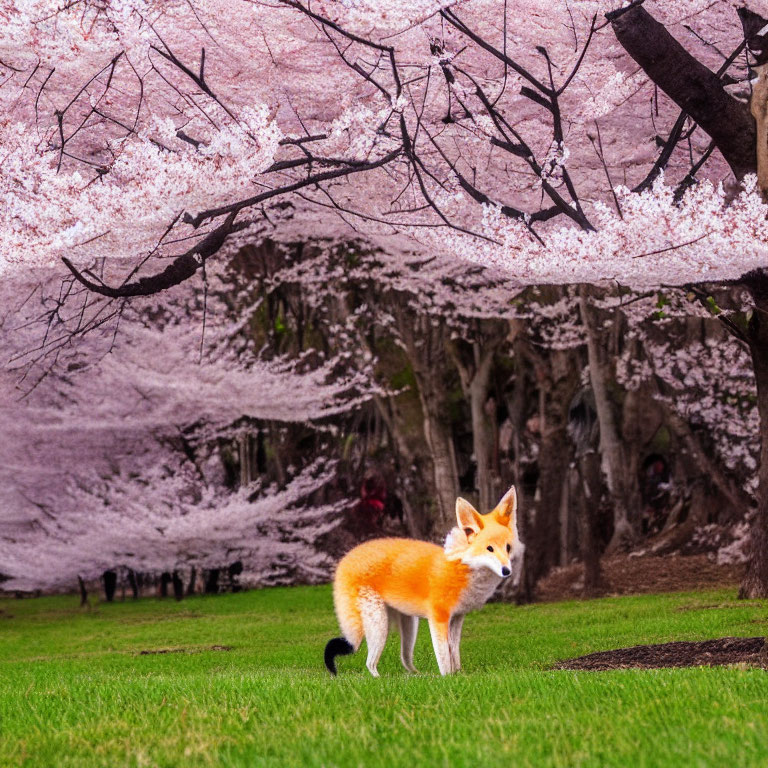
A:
(482, 584)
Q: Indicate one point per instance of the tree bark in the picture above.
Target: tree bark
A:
(425, 345)
(165, 580)
(178, 585)
(588, 512)
(83, 592)
(754, 27)
(611, 448)
(758, 106)
(475, 369)
(755, 582)
(134, 585)
(110, 585)
(440, 441)
(482, 431)
(245, 449)
(405, 463)
(558, 380)
(694, 88)
(212, 582)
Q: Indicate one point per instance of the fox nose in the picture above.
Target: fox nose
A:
(505, 571)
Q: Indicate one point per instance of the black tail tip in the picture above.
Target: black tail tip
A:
(336, 647)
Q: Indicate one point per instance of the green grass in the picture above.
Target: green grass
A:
(74, 690)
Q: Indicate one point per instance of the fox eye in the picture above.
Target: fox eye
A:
(490, 549)
(509, 548)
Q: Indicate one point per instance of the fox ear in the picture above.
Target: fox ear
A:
(506, 510)
(469, 519)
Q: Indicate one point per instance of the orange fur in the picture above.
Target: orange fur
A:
(388, 580)
(413, 577)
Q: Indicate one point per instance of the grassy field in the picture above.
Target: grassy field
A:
(76, 691)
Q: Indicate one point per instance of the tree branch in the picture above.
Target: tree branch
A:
(692, 86)
(179, 270)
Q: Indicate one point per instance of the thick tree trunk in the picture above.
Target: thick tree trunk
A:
(475, 373)
(405, 463)
(425, 345)
(110, 585)
(437, 432)
(611, 448)
(588, 513)
(178, 585)
(692, 86)
(212, 582)
(558, 382)
(134, 585)
(754, 27)
(758, 105)
(165, 580)
(517, 408)
(564, 519)
(755, 582)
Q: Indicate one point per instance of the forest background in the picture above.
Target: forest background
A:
(253, 315)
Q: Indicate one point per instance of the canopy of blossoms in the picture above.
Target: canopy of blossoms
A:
(527, 139)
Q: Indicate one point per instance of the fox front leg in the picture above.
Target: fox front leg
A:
(439, 632)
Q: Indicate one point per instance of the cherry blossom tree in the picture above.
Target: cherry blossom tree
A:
(114, 456)
(433, 105)
(596, 142)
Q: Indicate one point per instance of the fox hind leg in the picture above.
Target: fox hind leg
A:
(454, 640)
(409, 627)
(375, 627)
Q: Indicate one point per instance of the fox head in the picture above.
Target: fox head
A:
(487, 541)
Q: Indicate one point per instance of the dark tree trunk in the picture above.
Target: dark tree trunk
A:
(234, 572)
(474, 362)
(425, 346)
(133, 584)
(755, 582)
(192, 582)
(586, 485)
(110, 585)
(165, 579)
(409, 484)
(692, 86)
(178, 586)
(83, 592)
(558, 379)
(588, 522)
(699, 92)
(611, 444)
(212, 582)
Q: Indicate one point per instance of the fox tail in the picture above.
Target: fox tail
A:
(336, 647)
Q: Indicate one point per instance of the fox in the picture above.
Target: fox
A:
(394, 582)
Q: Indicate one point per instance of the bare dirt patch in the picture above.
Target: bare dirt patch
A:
(631, 575)
(750, 651)
(155, 619)
(185, 650)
